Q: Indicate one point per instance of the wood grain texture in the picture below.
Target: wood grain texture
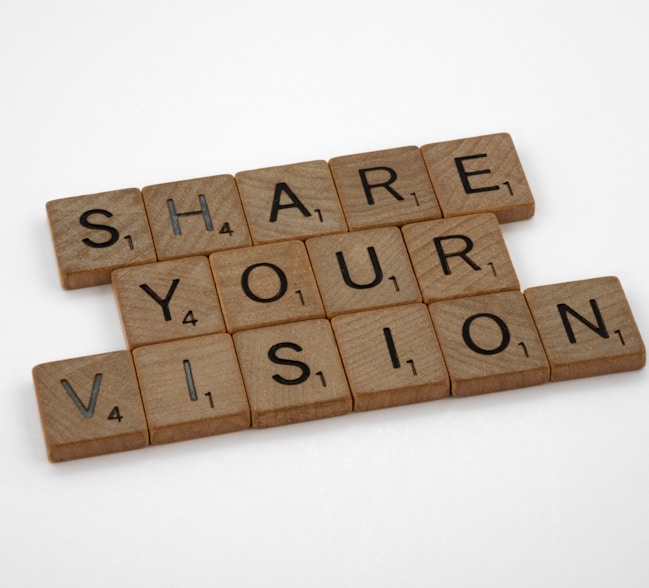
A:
(363, 270)
(489, 343)
(90, 406)
(97, 233)
(391, 356)
(587, 328)
(290, 202)
(266, 285)
(167, 301)
(292, 373)
(384, 188)
(196, 217)
(191, 388)
(459, 257)
(479, 174)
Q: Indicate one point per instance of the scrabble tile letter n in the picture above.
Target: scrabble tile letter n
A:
(586, 327)
(97, 233)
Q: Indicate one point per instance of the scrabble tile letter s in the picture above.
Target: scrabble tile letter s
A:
(292, 373)
(97, 233)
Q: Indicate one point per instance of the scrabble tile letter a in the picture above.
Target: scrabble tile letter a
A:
(290, 202)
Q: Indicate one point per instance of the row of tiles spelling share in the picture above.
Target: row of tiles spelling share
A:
(98, 233)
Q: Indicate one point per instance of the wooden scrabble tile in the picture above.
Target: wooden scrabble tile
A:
(384, 188)
(479, 174)
(363, 270)
(97, 233)
(290, 202)
(292, 373)
(489, 343)
(168, 300)
(191, 388)
(90, 406)
(391, 356)
(265, 285)
(459, 257)
(587, 328)
(196, 217)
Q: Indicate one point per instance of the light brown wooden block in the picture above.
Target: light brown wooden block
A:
(266, 285)
(290, 202)
(391, 356)
(363, 270)
(587, 328)
(191, 388)
(97, 233)
(196, 217)
(90, 406)
(292, 373)
(166, 301)
(459, 257)
(384, 188)
(489, 343)
(479, 174)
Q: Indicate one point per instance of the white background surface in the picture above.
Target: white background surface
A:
(539, 487)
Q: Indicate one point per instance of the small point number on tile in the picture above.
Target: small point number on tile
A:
(299, 293)
(129, 240)
(322, 379)
(411, 362)
(414, 195)
(115, 415)
(189, 318)
(619, 334)
(522, 344)
(394, 281)
(209, 397)
(493, 269)
(319, 213)
(509, 187)
(225, 229)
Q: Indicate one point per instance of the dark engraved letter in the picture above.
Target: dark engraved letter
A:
(163, 302)
(367, 187)
(392, 350)
(189, 376)
(600, 328)
(304, 368)
(283, 282)
(443, 255)
(280, 188)
(86, 411)
(464, 175)
(114, 233)
(466, 334)
(205, 211)
(378, 272)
